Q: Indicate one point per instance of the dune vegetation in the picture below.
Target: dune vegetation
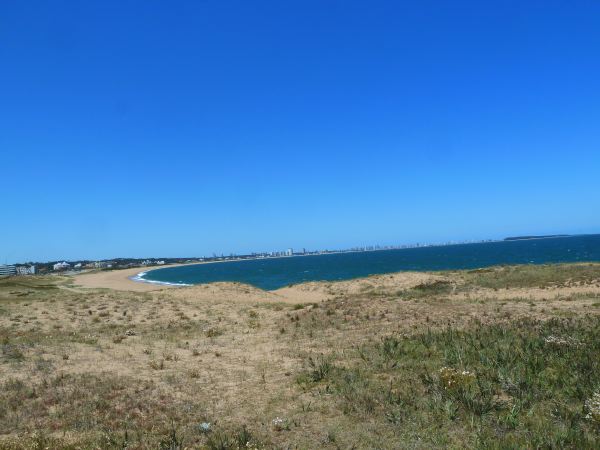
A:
(505, 357)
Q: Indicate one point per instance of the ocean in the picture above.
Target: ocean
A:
(274, 273)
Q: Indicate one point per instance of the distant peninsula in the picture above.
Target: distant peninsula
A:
(523, 238)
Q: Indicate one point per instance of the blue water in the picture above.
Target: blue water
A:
(275, 273)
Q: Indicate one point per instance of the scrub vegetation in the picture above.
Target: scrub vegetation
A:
(506, 357)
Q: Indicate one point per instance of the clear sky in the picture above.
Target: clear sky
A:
(151, 128)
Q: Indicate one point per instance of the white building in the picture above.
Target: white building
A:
(152, 262)
(24, 270)
(61, 266)
(7, 269)
(289, 252)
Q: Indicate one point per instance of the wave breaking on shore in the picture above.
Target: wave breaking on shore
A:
(140, 279)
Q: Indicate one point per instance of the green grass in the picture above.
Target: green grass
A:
(518, 385)
(431, 289)
(37, 282)
(533, 275)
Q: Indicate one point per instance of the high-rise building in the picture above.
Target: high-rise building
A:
(7, 269)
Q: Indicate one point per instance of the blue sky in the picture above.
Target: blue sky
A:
(154, 128)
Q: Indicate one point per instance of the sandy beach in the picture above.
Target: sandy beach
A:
(118, 280)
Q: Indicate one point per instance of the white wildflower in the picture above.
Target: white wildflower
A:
(592, 405)
(562, 342)
(204, 427)
(279, 423)
(452, 379)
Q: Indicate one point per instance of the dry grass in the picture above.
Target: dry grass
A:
(98, 368)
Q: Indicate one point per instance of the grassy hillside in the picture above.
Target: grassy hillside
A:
(498, 358)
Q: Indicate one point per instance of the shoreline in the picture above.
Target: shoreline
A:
(119, 279)
(124, 279)
(137, 279)
(337, 252)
